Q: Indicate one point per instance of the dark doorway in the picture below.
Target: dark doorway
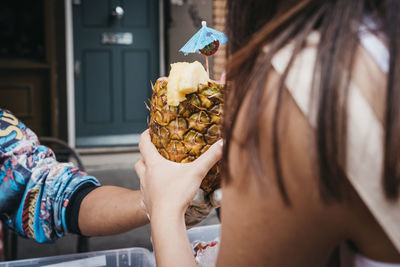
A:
(116, 53)
(27, 63)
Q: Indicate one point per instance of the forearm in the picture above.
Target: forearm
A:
(170, 240)
(168, 188)
(111, 210)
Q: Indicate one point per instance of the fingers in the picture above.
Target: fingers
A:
(140, 168)
(205, 162)
(147, 148)
(216, 198)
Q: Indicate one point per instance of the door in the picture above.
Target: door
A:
(116, 53)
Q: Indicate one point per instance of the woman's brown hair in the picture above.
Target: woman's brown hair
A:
(252, 24)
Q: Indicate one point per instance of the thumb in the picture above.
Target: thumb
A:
(209, 158)
(147, 148)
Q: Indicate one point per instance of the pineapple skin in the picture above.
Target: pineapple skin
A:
(182, 133)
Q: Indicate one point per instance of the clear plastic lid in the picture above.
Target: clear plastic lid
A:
(138, 257)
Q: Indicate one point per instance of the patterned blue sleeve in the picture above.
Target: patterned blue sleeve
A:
(34, 188)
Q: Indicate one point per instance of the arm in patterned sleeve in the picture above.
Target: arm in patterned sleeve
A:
(35, 189)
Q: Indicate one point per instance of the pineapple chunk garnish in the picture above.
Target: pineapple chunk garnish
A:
(184, 78)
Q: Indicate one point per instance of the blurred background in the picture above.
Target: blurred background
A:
(80, 72)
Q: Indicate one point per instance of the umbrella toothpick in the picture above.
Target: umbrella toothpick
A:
(208, 72)
(206, 41)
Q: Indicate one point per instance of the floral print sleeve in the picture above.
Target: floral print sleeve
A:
(35, 189)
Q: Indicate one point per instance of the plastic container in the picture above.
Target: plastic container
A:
(138, 257)
(135, 257)
(206, 233)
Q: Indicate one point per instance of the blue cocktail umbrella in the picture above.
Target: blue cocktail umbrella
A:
(205, 41)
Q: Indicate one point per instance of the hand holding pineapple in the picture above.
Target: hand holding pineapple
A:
(181, 151)
(170, 186)
(185, 120)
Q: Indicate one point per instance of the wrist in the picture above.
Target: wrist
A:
(168, 207)
(167, 211)
(166, 220)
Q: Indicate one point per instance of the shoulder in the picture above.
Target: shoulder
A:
(253, 199)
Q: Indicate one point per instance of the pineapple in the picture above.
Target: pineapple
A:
(185, 116)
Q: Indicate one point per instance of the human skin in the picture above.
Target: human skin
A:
(168, 188)
(109, 210)
(258, 228)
